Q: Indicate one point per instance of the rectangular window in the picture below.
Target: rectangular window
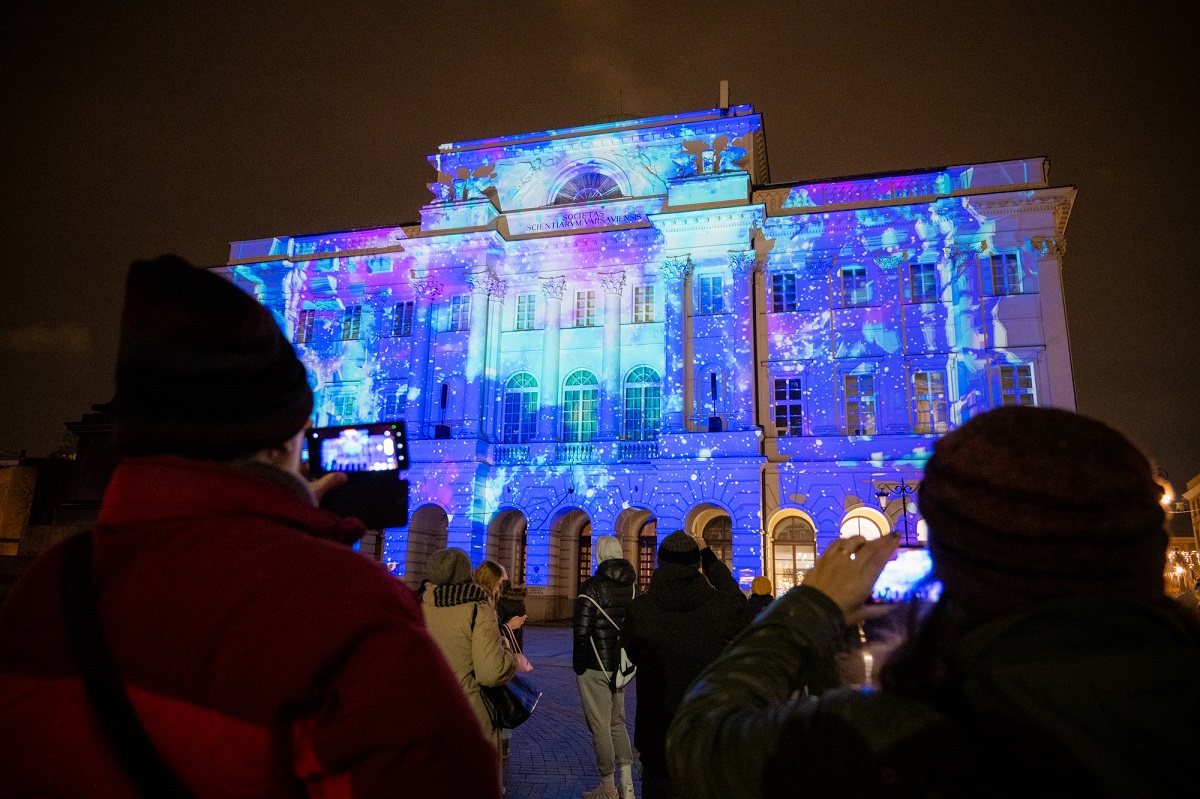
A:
(922, 283)
(351, 322)
(304, 326)
(854, 286)
(712, 295)
(789, 404)
(1016, 385)
(460, 312)
(1006, 273)
(585, 309)
(525, 309)
(643, 304)
(860, 405)
(402, 319)
(344, 407)
(520, 416)
(393, 404)
(783, 292)
(929, 401)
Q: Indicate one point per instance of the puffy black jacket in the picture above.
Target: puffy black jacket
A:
(673, 631)
(612, 586)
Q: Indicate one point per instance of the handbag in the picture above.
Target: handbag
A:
(626, 669)
(511, 704)
(523, 664)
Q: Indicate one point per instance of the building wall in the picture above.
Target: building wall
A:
(803, 348)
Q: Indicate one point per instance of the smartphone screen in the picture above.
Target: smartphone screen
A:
(357, 448)
(908, 575)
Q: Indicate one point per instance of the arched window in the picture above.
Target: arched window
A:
(587, 187)
(581, 400)
(795, 545)
(867, 522)
(520, 409)
(718, 534)
(643, 404)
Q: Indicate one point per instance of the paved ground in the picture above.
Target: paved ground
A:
(550, 756)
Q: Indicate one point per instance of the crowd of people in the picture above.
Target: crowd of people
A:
(215, 635)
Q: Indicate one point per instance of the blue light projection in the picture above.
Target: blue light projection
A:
(627, 329)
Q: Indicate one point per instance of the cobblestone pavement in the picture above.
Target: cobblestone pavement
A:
(550, 756)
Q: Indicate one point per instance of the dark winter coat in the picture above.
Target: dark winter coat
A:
(511, 604)
(258, 655)
(613, 587)
(673, 631)
(758, 603)
(1081, 697)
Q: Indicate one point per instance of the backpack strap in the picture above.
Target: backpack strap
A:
(142, 762)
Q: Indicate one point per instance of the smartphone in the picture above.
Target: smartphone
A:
(907, 576)
(379, 447)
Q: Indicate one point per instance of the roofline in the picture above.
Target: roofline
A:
(895, 173)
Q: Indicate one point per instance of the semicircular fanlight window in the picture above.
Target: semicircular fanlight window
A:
(586, 188)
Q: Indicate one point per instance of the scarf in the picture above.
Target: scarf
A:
(445, 596)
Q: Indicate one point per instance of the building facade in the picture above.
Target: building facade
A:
(628, 329)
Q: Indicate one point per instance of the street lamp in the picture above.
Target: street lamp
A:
(902, 490)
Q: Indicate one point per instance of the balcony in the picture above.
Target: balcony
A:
(512, 454)
(576, 453)
(637, 451)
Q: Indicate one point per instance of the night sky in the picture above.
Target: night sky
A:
(130, 129)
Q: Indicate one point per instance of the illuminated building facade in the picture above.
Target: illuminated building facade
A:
(626, 328)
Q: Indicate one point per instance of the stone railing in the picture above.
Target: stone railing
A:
(576, 453)
(637, 451)
(512, 453)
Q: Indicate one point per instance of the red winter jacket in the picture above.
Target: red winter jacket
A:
(262, 659)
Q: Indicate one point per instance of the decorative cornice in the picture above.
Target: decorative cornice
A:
(1045, 245)
(553, 287)
(676, 268)
(894, 260)
(613, 282)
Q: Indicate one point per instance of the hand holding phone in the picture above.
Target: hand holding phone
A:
(847, 571)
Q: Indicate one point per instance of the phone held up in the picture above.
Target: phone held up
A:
(372, 456)
(907, 576)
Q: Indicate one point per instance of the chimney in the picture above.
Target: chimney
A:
(724, 96)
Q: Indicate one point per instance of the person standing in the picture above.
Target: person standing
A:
(600, 611)
(247, 644)
(761, 594)
(510, 610)
(692, 609)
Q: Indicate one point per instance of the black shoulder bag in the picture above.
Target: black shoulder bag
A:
(136, 753)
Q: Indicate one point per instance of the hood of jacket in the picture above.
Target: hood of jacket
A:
(675, 587)
(618, 570)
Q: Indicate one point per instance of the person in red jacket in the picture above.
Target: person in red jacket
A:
(260, 653)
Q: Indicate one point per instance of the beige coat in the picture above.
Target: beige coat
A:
(477, 657)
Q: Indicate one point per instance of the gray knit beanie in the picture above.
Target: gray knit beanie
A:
(448, 567)
(680, 548)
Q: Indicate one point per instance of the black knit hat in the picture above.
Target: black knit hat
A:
(202, 369)
(1026, 505)
(681, 548)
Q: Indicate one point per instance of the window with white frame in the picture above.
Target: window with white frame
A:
(343, 406)
(585, 309)
(581, 401)
(1006, 273)
(643, 404)
(351, 322)
(922, 282)
(795, 552)
(520, 409)
(929, 401)
(1016, 385)
(783, 292)
(526, 307)
(860, 404)
(304, 326)
(460, 312)
(855, 291)
(643, 304)
(711, 291)
(402, 318)
(789, 407)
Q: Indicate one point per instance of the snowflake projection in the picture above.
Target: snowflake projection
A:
(588, 187)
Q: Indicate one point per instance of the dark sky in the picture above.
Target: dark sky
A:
(130, 129)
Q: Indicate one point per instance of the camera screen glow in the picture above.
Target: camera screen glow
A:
(907, 576)
(356, 450)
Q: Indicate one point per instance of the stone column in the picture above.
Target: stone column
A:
(427, 290)
(481, 283)
(744, 268)
(492, 381)
(548, 385)
(676, 274)
(610, 380)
